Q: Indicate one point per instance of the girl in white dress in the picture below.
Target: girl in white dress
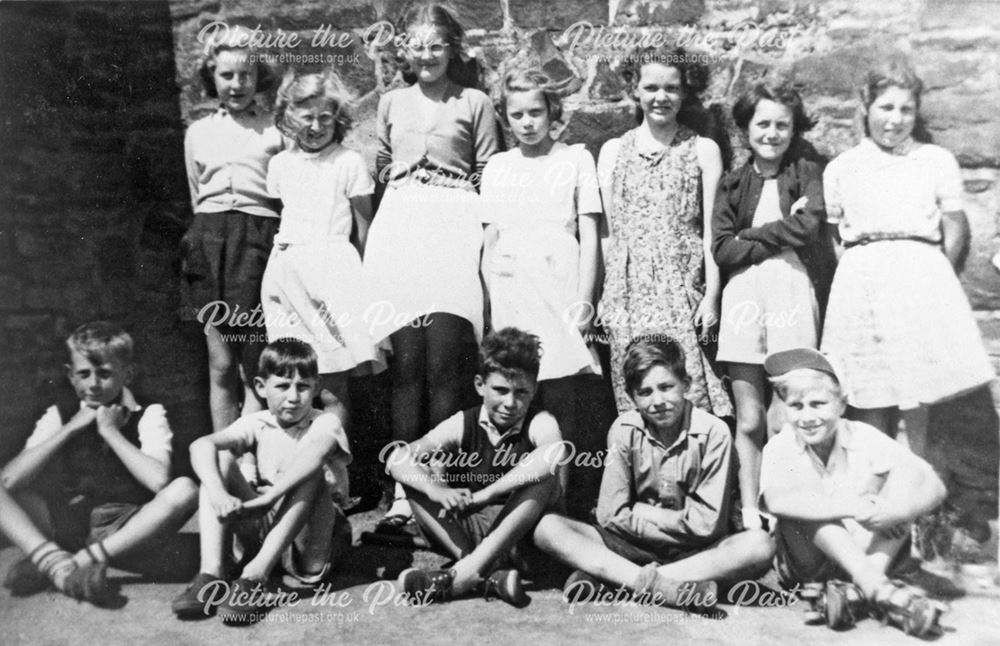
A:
(313, 288)
(543, 205)
(898, 319)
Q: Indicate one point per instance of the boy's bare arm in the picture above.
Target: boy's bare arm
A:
(405, 467)
(911, 489)
(815, 506)
(542, 463)
(309, 456)
(20, 471)
(150, 472)
(205, 463)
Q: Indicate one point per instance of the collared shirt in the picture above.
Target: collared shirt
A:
(448, 434)
(878, 192)
(859, 462)
(276, 448)
(155, 435)
(226, 158)
(692, 477)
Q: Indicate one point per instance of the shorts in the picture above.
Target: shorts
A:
(642, 556)
(476, 526)
(792, 571)
(80, 522)
(325, 537)
(223, 260)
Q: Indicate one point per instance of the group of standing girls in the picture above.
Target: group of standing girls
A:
(683, 247)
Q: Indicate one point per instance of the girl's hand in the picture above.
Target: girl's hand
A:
(706, 315)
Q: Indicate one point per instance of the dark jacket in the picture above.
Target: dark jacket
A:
(805, 230)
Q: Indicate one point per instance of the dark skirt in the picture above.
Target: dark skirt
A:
(223, 260)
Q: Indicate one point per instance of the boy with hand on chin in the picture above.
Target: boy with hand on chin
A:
(292, 516)
(499, 475)
(94, 477)
(664, 531)
(845, 496)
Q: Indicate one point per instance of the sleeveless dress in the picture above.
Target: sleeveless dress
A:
(654, 271)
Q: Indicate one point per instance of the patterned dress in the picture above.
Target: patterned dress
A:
(654, 277)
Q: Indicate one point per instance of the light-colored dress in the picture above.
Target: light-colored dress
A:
(425, 242)
(534, 272)
(770, 306)
(898, 320)
(313, 288)
(654, 276)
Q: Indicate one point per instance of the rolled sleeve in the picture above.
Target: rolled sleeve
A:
(155, 436)
(46, 426)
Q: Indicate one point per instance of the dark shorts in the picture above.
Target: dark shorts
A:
(80, 522)
(223, 260)
(476, 526)
(641, 555)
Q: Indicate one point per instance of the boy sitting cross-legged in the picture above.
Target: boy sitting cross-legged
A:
(663, 529)
(845, 496)
(94, 476)
(291, 516)
(479, 481)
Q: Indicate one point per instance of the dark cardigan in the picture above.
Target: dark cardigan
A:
(805, 230)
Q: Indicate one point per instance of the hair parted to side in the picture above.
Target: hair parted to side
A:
(643, 353)
(509, 350)
(529, 80)
(782, 384)
(444, 17)
(298, 87)
(99, 341)
(238, 37)
(894, 72)
(286, 358)
(782, 92)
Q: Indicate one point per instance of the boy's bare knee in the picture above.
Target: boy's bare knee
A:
(759, 545)
(180, 493)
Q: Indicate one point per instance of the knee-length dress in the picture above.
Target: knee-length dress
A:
(313, 288)
(898, 321)
(534, 272)
(654, 270)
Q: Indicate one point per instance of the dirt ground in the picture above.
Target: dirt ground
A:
(361, 608)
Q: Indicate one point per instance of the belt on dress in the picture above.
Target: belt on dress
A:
(886, 237)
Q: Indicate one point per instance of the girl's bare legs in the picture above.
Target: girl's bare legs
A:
(749, 391)
(451, 365)
(223, 380)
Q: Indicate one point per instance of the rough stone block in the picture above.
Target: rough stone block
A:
(593, 125)
(659, 12)
(553, 15)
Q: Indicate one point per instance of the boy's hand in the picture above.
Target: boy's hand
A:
(259, 505)
(876, 516)
(225, 505)
(111, 418)
(799, 204)
(452, 500)
(82, 419)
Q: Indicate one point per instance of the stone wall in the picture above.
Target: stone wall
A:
(93, 202)
(96, 95)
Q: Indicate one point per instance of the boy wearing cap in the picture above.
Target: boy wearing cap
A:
(844, 494)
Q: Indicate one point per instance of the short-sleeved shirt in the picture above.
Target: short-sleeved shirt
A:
(453, 147)
(276, 448)
(692, 478)
(859, 463)
(886, 193)
(315, 189)
(155, 436)
(226, 157)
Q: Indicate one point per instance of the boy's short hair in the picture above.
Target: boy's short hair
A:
(529, 80)
(510, 349)
(643, 353)
(99, 341)
(286, 358)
